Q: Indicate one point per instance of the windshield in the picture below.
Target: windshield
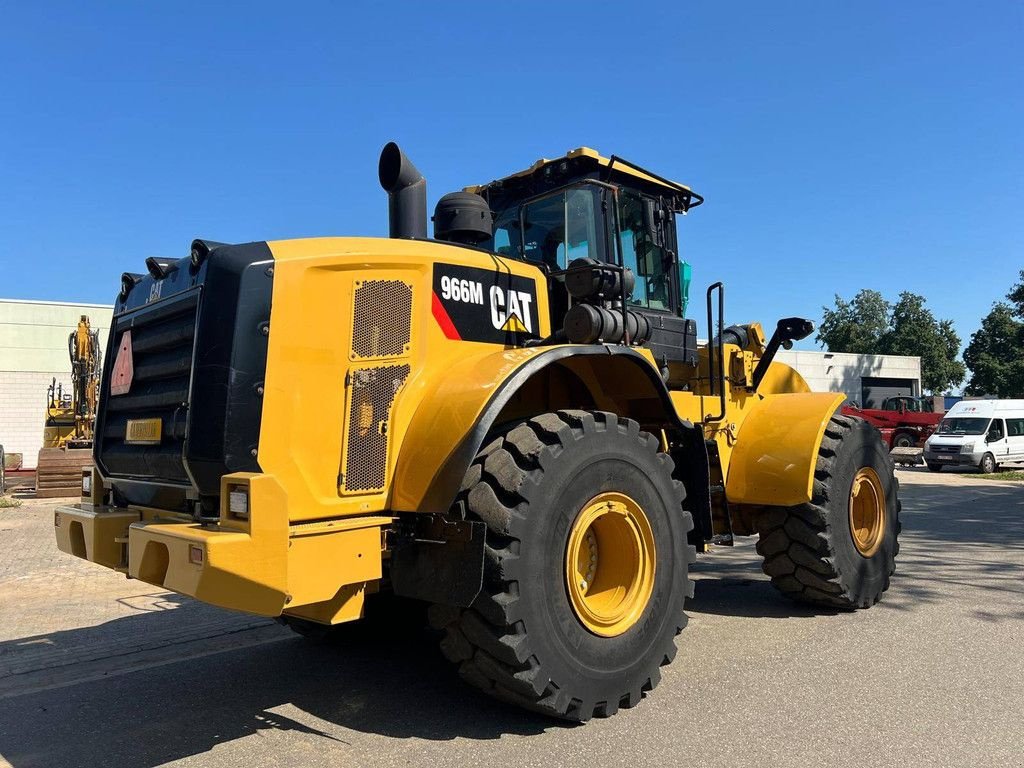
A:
(963, 426)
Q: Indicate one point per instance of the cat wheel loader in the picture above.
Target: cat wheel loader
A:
(513, 422)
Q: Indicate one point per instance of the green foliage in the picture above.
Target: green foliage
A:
(870, 325)
(856, 325)
(1002, 476)
(1016, 296)
(996, 352)
(7, 502)
(913, 330)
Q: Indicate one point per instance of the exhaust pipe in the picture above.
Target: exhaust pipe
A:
(407, 193)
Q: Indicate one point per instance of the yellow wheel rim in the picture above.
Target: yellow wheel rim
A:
(609, 564)
(867, 511)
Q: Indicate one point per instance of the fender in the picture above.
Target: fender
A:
(777, 449)
(452, 419)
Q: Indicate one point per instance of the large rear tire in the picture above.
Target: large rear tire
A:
(840, 549)
(586, 569)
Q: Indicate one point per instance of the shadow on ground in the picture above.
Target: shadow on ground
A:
(948, 533)
(393, 686)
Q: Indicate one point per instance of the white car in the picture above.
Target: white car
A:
(979, 433)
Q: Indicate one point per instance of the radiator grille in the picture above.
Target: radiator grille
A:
(162, 339)
(381, 319)
(372, 393)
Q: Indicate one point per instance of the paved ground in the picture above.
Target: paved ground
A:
(96, 670)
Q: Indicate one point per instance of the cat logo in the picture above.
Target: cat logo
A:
(510, 310)
(489, 305)
(154, 291)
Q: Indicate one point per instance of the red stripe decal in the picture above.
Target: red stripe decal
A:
(441, 315)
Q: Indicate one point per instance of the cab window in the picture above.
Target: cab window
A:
(561, 227)
(506, 234)
(640, 254)
(995, 430)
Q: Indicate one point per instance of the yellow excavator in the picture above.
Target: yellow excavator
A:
(70, 417)
(513, 422)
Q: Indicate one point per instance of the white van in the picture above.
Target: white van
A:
(980, 433)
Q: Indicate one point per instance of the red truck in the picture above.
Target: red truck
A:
(905, 422)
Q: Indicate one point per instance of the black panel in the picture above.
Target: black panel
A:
(673, 339)
(199, 346)
(230, 365)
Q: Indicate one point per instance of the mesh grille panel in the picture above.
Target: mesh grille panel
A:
(369, 415)
(382, 318)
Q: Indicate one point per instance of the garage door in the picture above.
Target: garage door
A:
(874, 391)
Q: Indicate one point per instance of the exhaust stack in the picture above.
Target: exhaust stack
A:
(407, 193)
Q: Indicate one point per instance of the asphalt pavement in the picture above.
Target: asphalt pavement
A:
(96, 670)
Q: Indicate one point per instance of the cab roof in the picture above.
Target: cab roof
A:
(587, 158)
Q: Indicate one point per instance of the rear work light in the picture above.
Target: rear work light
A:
(195, 554)
(238, 501)
(87, 482)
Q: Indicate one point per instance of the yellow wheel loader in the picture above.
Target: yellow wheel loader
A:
(513, 422)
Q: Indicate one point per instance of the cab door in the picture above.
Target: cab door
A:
(996, 441)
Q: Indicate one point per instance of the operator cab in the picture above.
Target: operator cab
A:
(585, 206)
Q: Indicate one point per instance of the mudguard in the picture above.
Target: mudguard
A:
(454, 417)
(777, 449)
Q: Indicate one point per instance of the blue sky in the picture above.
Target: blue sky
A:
(839, 145)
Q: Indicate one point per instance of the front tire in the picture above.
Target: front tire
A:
(840, 549)
(576, 615)
(988, 464)
(934, 467)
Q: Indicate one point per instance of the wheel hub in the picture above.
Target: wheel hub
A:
(609, 564)
(867, 511)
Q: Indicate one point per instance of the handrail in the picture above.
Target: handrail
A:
(719, 382)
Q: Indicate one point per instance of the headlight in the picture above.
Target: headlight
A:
(968, 448)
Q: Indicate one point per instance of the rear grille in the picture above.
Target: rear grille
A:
(371, 395)
(381, 319)
(162, 349)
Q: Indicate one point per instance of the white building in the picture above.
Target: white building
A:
(34, 352)
(865, 379)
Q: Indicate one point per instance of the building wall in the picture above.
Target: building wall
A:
(33, 352)
(843, 372)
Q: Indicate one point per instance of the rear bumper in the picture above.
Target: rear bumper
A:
(318, 570)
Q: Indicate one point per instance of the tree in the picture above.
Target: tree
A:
(913, 330)
(1016, 296)
(996, 352)
(856, 325)
(870, 325)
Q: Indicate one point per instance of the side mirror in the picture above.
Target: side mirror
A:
(794, 329)
(787, 331)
